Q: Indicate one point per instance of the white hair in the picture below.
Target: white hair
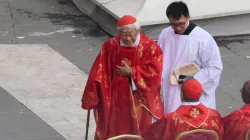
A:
(135, 25)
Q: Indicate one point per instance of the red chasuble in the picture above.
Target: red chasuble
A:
(237, 124)
(185, 118)
(117, 109)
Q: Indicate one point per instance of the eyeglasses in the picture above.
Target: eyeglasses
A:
(130, 34)
(181, 24)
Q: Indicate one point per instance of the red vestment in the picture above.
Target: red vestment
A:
(186, 118)
(117, 109)
(237, 124)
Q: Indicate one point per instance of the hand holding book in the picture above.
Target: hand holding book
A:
(184, 72)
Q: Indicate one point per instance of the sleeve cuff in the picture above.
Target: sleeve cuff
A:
(133, 84)
(133, 72)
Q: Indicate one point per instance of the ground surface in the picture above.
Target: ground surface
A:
(41, 83)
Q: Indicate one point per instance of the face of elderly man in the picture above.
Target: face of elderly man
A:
(128, 35)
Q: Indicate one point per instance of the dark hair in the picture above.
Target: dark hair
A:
(177, 9)
(186, 99)
(245, 93)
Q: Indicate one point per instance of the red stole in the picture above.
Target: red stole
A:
(123, 102)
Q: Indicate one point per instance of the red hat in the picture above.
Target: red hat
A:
(126, 20)
(192, 89)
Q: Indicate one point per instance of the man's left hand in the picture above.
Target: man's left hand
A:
(125, 70)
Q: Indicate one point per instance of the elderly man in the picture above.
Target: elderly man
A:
(189, 116)
(123, 85)
(237, 123)
(182, 43)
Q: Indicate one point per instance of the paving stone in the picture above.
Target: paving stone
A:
(18, 122)
(47, 83)
(225, 104)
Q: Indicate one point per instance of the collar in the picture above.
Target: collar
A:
(137, 41)
(191, 103)
(194, 115)
(189, 29)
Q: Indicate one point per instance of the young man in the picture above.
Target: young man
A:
(123, 85)
(182, 43)
(237, 123)
(189, 116)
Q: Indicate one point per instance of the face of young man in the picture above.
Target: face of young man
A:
(179, 25)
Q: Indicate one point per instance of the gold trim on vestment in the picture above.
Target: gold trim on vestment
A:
(149, 111)
(197, 131)
(192, 124)
(138, 126)
(136, 137)
(243, 115)
(247, 134)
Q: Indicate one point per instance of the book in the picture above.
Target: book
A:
(189, 69)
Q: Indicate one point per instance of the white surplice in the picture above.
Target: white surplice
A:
(199, 47)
